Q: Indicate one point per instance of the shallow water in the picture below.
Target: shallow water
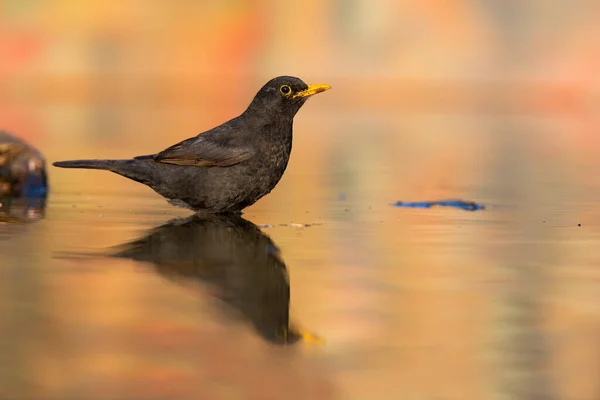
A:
(436, 303)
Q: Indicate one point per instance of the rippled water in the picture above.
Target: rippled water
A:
(113, 295)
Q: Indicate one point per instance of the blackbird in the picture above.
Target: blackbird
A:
(229, 167)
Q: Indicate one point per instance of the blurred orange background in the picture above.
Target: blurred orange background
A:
(125, 61)
(489, 100)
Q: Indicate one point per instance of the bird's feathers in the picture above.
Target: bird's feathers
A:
(227, 168)
(215, 148)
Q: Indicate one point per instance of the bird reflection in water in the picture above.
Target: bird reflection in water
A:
(232, 255)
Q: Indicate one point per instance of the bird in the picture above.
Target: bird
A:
(229, 255)
(227, 168)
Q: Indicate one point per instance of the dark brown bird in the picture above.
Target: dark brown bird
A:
(229, 167)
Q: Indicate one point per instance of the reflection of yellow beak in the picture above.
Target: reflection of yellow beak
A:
(309, 337)
(312, 89)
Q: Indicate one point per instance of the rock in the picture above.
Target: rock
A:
(21, 209)
(22, 169)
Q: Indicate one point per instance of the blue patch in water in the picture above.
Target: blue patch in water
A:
(35, 191)
(463, 205)
(35, 186)
(272, 249)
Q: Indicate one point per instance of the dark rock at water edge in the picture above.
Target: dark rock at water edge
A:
(22, 209)
(22, 169)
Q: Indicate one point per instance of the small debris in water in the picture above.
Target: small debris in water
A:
(101, 215)
(463, 205)
(294, 225)
(578, 224)
(291, 225)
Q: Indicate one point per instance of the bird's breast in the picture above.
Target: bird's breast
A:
(275, 156)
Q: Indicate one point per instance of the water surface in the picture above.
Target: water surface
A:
(410, 303)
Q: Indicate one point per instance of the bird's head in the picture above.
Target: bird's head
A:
(284, 95)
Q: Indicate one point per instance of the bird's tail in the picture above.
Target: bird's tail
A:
(88, 164)
(140, 171)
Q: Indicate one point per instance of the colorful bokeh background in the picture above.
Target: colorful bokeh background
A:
(492, 101)
(122, 63)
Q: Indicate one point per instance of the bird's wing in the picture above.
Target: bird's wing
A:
(210, 149)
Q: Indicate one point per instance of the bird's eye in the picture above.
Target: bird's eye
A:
(285, 90)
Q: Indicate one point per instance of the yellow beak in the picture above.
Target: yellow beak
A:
(312, 89)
